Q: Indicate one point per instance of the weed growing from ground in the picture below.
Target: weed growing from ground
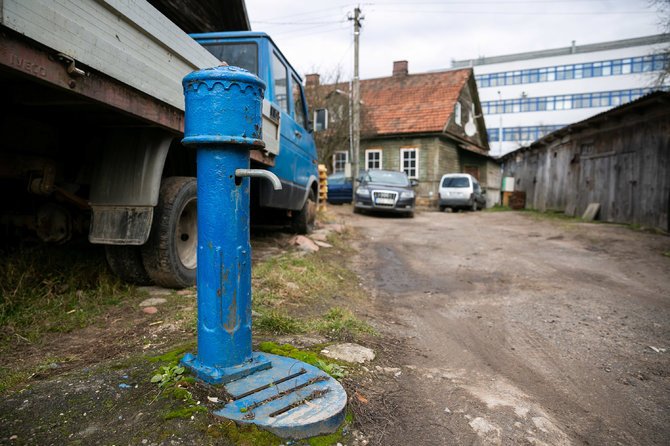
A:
(168, 375)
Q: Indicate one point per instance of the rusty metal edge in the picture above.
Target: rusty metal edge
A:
(30, 59)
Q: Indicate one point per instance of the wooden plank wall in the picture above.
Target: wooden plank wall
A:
(623, 163)
(129, 41)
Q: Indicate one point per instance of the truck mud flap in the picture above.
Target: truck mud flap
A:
(120, 225)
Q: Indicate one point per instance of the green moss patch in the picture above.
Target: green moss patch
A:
(185, 413)
(333, 439)
(244, 435)
(174, 356)
(334, 369)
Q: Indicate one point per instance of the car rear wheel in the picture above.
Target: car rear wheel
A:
(170, 254)
(474, 206)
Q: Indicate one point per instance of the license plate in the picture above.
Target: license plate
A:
(384, 201)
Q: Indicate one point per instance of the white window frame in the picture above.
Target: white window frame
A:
(335, 161)
(457, 113)
(368, 152)
(404, 151)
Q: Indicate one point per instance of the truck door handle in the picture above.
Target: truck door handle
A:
(298, 134)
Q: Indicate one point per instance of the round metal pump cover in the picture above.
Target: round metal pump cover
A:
(291, 399)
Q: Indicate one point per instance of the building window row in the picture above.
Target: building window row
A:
(409, 160)
(655, 62)
(566, 102)
(526, 133)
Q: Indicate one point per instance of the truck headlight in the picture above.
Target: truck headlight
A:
(407, 194)
(362, 192)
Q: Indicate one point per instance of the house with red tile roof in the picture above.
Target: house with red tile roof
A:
(425, 124)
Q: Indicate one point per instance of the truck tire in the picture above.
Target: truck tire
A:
(126, 262)
(303, 221)
(170, 254)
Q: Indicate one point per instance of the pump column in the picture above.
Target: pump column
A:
(223, 121)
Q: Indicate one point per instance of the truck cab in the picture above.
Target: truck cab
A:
(93, 122)
(289, 145)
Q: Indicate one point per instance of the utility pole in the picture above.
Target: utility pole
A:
(356, 100)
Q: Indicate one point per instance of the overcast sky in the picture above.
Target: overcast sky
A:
(316, 35)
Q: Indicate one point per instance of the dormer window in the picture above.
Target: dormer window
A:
(457, 113)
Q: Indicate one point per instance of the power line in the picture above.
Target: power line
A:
(519, 13)
(299, 23)
(292, 33)
(485, 2)
(308, 13)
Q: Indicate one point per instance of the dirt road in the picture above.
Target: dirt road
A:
(511, 329)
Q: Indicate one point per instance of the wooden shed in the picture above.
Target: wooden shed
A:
(619, 159)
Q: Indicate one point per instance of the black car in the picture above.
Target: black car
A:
(386, 191)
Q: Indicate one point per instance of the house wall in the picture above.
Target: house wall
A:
(623, 163)
(437, 155)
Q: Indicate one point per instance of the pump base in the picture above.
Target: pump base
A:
(222, 375)
(292, 400)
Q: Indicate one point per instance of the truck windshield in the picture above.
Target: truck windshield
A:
(244, 55)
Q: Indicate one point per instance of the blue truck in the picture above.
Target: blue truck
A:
(93, 122)
(287, 130)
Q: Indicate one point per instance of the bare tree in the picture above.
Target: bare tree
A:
(328, 92)
(331, 92)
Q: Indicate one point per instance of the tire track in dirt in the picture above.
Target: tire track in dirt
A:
(516, 329)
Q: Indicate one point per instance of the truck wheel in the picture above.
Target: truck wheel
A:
(170, 254)
(126, 262)
(303, 221)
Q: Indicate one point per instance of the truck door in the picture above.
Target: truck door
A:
(289, 164)
(303, 139)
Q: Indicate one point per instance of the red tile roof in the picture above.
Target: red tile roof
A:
(414, 103)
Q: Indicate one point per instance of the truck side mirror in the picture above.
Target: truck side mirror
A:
(320, 119)
(414, 183)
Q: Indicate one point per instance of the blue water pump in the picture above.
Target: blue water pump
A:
(287, 397)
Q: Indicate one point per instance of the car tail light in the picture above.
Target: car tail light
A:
(472, 195)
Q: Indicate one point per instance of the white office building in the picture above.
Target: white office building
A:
(525, 96)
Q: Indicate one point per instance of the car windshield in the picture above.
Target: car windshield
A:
(456, 182)
(386, 177)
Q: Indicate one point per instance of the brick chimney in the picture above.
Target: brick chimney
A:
(400, 68)
(312, 79)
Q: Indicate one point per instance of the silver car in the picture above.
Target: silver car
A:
(460, 191)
